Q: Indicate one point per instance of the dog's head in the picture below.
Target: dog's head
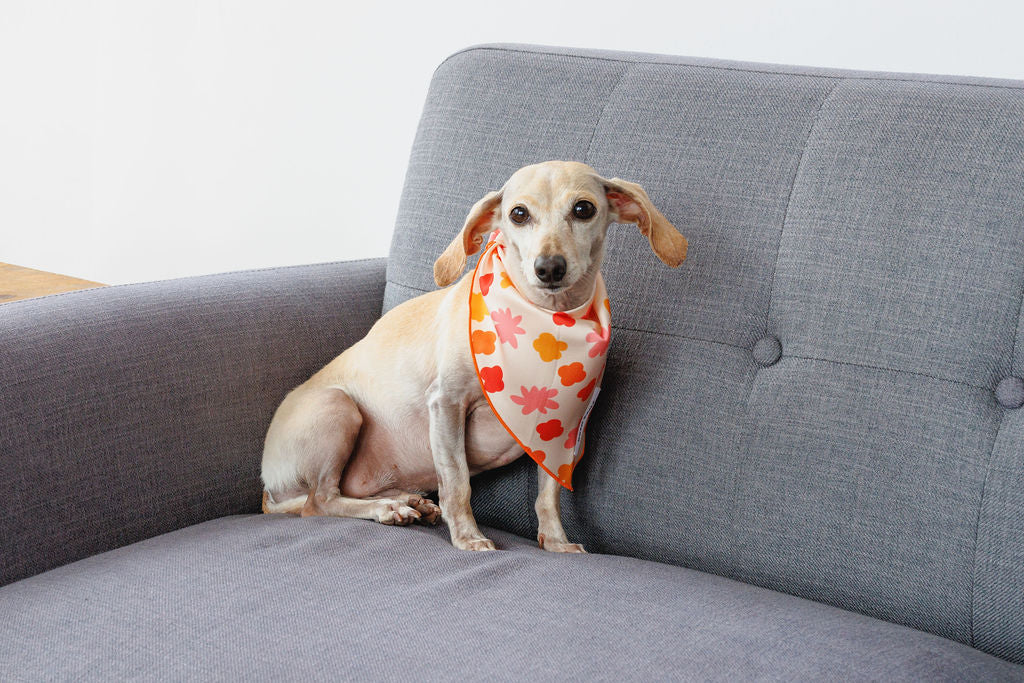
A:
(554, 216)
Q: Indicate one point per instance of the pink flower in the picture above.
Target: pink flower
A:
(600, 341)
(536, 398)
(507, 326)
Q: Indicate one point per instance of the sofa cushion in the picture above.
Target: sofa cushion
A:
(266, 596)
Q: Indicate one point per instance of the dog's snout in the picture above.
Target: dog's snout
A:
(550, 269)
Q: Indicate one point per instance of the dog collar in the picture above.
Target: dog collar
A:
(540, 370)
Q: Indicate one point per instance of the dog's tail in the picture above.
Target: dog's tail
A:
(291, 505)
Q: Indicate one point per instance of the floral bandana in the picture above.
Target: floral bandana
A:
(540, 370)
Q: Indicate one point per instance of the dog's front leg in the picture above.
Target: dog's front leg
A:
(550, 534)
(448, 446)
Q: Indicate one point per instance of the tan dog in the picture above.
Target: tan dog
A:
(402, 412)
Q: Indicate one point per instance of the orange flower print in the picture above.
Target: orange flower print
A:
(482, 341)
(505, 281)
(570, 441)
(565, 473)
(507, 326)
(485, 281)
(536, 398)
(561, 318)
(477, 307)
(492, 379)
(585, 392)
(539, 456)
(552, 429)
(600, 341)
(549, 348)
(572, 373)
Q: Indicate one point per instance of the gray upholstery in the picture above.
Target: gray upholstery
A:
(869, 225)
(308, 599)
(824, 400)
(129, 411)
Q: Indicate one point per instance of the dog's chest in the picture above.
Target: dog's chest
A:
(488, 443)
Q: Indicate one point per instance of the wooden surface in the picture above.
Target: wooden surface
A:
(24, 283)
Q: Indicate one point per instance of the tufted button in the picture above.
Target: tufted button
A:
(767, 351)
(1010, 392)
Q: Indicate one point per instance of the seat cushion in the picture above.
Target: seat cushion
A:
(277, 596)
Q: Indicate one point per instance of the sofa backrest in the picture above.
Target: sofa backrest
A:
(821, 398)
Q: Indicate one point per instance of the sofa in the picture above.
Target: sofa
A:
(807, 461)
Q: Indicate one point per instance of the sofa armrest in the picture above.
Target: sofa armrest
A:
(130, 411)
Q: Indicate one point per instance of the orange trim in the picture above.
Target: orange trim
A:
(476, 368)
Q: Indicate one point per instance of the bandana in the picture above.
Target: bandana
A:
(540, 370)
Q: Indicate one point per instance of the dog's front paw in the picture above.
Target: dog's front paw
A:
(393, 512)
(559, 547)
(473, 543)
(430, 513)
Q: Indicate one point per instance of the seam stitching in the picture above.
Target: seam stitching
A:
(977, 530)
(988, 472)
(681, 336)
(600, 117)
(733, 68)
(1016, 327)
(402, 284)
(885, 369)
(789, 201)
(193, 277)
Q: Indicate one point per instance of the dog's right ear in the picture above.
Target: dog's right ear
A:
(479, 223)
(629, 203)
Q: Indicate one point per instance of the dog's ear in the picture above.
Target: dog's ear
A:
(629, 203)
(479, 222)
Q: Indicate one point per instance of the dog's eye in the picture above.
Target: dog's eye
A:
(584, 210)
(519, 215)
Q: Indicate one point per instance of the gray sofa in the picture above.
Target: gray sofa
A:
(808, 461)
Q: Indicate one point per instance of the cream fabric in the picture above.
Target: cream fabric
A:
(540, 369)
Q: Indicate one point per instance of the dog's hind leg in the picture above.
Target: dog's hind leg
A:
(309, 442)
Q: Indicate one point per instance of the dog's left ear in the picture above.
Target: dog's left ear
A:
(629, 203)
(450, 264)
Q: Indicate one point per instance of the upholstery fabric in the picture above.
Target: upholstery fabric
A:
(809, 404)
(129, 411)
(284, 598)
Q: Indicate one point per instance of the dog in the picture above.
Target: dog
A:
(402, 412)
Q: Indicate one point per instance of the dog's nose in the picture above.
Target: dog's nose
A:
(550, 269)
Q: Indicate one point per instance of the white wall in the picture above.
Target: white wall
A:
(143, 140)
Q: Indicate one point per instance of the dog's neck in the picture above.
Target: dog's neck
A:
(566, 300)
